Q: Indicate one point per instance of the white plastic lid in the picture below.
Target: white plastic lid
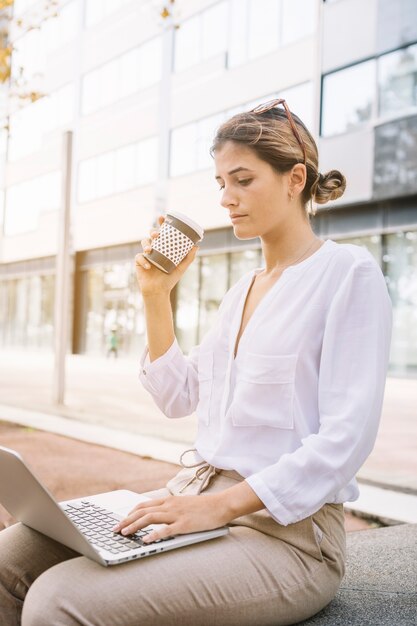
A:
(187, 220)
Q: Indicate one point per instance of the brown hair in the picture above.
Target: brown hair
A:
(271, 137)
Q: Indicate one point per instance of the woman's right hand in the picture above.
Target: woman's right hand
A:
(152, 280)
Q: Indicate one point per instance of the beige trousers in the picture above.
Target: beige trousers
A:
(262, 573)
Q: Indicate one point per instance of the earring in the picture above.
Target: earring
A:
(291, 195)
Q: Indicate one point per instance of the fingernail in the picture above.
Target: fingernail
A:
(116, 528)
(125, 531)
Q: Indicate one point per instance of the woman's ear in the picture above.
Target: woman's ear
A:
(297, 179)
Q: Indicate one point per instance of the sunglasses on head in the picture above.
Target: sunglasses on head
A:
(271, 104)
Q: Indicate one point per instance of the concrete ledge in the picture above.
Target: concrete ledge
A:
(144, 446)
(380, 585)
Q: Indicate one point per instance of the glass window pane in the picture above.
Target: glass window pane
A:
(93, 11)
(205, 134)
(397, 77)
(63, 28)
(22, 210)
(87, 180)
(372, 243)
(91, 92)
(263, 27)
(129, 73)
(238, 45)
(301, 102)
(183, 150)
(215, 30)
(113, 304)
(95, 336)
(150, 62)
(186, 315)
(65, 101)
(348, 98)
(243, 262)
(214, 281)
(401, 275)
(105, 174)
(298, 19)
(187, 44)
(109, 77)
(146, 161)
(125, 168)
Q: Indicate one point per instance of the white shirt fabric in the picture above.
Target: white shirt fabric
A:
(297, 412)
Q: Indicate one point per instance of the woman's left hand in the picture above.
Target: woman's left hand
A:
(181, 514)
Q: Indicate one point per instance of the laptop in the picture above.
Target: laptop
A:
(83, 524)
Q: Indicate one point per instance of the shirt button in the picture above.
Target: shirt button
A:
(144, 372)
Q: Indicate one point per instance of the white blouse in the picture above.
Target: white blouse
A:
(297, 411)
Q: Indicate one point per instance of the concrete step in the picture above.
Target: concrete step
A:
(385, 505)
(379, 587)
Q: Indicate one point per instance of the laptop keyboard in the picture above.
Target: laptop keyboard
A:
(96, 524)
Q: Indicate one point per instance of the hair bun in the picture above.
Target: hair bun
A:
(329, 186)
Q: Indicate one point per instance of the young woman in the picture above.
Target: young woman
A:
(287, 387)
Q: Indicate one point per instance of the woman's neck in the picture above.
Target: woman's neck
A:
(289, 250)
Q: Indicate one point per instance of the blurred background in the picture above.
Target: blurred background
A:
(107, 113)
(141, 85)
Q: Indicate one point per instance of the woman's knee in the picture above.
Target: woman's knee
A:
(46, 599)
(65, 595)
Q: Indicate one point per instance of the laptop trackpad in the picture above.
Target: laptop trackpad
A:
(120, 502)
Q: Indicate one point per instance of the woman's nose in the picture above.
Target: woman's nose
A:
(228, 199)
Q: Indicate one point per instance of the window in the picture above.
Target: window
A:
(298, 19)
(21, 6)
(202, 36)
(243, 262)
(150, 62)
(117, 171)
(32, 48)
(348, 97)
(98, 10)
(397, 80)
(400, 262)
(263, 31)
(190, 145)
(127, 74)
(301, 102)
(254, 29)
(259, 27)
(26, 201)
(395, 158)
(62, 29)
(213, 286)
(27, 311)
(187, 307)
(29, 125)
(113, 303)
(202, 288)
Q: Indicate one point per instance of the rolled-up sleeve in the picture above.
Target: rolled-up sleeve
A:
(353, 368)
(172, 380)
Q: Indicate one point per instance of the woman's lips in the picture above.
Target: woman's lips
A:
(236, 217)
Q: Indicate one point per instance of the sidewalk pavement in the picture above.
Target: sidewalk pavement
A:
(105, 403)
(73, 469)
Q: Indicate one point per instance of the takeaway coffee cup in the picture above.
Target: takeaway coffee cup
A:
(178, 234)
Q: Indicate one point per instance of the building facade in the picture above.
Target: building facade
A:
(143, 97)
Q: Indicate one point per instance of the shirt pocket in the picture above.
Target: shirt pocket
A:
(205, 386)
(264, 391)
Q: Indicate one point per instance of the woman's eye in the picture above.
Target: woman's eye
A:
(246, 181)
(221, 187)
